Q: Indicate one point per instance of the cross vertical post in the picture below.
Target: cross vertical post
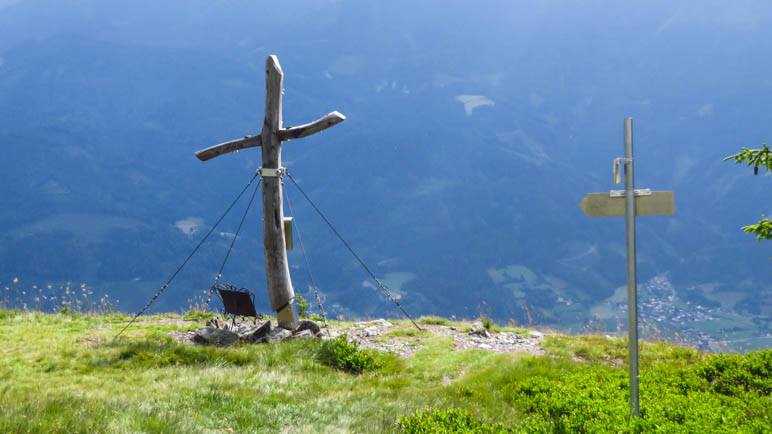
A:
(632, 282)
(280, 291)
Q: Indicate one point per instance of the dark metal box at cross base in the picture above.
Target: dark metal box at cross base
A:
(239, 302)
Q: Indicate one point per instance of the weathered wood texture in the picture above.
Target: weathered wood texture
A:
(280, 291)
(329, 120)
(227, 147)
(602, 205)
(275, 242)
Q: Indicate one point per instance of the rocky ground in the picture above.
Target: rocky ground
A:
(383, 335)
(379, 334)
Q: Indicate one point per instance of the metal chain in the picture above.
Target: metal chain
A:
(230, 248)
(185, 262)
(382, 287)
(308, 268)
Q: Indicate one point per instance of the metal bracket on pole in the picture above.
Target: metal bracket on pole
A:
(637, 191)
(267, 172)
(618, 162)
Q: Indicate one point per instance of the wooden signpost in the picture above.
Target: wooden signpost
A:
(280, 290)
(647, 203)
(629, 203)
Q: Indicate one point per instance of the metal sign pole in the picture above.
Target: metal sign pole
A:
(643, 202)
(632, 286)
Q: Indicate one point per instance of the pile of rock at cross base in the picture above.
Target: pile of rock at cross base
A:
(219, 332)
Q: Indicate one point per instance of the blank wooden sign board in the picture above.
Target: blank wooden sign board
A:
(609, 204)
(629, 203)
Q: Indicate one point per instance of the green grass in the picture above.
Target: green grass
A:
(64, 373)
(433, 320)
(197, 315)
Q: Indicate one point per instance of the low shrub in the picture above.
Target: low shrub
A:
(594, 397)
(302, 305)
(450, 420)
(735, 374)
(7, 313)
(345, 355)
(487, 323)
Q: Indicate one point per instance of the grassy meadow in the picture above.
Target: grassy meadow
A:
(64, 373)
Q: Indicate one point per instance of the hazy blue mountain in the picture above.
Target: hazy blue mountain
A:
(473, 131)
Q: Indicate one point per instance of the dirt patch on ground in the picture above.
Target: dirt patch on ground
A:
(90, 341)
(182, 336)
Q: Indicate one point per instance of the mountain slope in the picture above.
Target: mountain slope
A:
(472, 134)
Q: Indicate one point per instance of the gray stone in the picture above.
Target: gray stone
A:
(535, 334)
(214, 336)
(371, 331)
(304, 334)
(214, 322)
(258, 335)
(479, 329)
(331, 334)
(278, 334)
(381, 323)
(239, 328)
(308, 325)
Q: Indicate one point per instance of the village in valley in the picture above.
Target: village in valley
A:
(530, 218)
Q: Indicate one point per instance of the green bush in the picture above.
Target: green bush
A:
(448, 421)
(734, 374)
(345, 355)
(8, 314)
(487, 323)
(302, 305)
(722, 393)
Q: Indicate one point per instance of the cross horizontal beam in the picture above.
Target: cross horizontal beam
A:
(314, 127)
(232, 146)
(300, 131)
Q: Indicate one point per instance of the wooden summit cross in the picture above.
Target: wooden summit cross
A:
(280, 291)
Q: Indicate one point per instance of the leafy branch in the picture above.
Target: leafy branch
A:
(762, 230)
(754, 158)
